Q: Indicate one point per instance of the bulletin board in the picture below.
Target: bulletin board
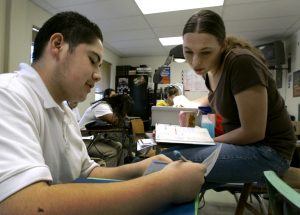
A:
(193, 82)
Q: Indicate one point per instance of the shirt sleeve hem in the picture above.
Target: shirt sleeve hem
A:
(22, 180)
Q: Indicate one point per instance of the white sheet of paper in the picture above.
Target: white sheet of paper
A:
(166, 133)
(88, 137)
(145, 143)
(211, 159)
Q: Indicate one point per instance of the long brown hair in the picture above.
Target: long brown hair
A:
(234, 42)
(207, 21)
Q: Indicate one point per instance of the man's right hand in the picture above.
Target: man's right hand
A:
(185, 179)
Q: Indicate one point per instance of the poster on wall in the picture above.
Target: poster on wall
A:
(193, 82)
(122, 85)
(296, 84)
(165, 75)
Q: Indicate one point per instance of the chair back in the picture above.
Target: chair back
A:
(137, 126)
(292, 177)
(283, 199)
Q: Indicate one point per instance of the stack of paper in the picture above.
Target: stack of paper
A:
(165, 133)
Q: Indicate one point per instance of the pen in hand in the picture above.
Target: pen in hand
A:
(179, 156)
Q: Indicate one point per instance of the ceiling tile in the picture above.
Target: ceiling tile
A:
(129, 35)
(125, 23)
(127, 32)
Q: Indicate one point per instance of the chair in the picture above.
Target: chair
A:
(249, 190)
(246, 190)
(138, 132)
(93, 136)
(283, 199)
(243, 192)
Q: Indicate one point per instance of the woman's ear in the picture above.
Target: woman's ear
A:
(224, 45)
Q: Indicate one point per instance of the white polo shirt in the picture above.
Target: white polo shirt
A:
(93, 112)
(39, 139)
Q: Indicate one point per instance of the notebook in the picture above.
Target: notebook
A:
(167, 114)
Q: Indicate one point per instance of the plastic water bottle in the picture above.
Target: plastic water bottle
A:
(206, 120)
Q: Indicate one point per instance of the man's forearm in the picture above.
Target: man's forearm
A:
(141, 196)
(124, 172)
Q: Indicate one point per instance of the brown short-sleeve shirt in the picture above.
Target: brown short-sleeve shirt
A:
(241, 71)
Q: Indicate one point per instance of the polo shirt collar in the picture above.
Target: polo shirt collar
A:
(34, 80)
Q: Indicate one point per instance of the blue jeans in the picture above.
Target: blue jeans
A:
(236, 163)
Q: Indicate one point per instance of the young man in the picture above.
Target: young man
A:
(40, 143)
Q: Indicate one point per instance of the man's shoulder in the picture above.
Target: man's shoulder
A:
(6, 79)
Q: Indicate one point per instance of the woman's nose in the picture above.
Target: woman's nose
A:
(196, 61)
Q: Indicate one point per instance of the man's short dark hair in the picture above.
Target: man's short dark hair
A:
(75, 28)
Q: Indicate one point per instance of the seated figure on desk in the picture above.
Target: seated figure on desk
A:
(111, 109)
(258, 134)
(170, 92)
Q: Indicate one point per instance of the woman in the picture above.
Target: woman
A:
(109, 111)
(258, 134)
(109, 92)
(169, 93)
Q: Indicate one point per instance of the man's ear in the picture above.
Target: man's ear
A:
(56, 42)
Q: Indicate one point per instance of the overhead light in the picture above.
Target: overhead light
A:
(160, 6)
(36, 29)
(170, 41)
(179, 60)
(177, 53)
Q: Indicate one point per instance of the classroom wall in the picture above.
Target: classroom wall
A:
(16, 20)
(18, 16)
(292, 45)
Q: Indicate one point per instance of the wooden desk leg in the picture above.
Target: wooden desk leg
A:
(129, 144)
(92, 142)
(243, 199)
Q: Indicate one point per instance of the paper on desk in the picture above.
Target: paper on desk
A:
(211, 159)
(155, 166)
(88, 137)
(145, 143)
